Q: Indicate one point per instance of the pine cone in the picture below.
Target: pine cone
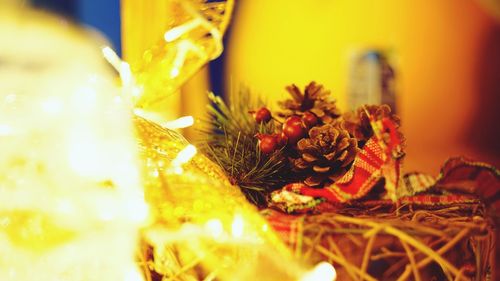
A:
(315, 99)
(325, 155)
(358, 125)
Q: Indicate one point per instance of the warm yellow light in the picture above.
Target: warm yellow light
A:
(52, 106)
(214, 228)
(237, 227)
(133, 275)
(176, 32)
(112, 57)
(323, 271)
(5, 130)
(265, 227)
(72, 202)
(129, 87)
(182, 158)
(182, 122)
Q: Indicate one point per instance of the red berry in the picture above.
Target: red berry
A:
(281, 139)
(267, 143)
(294, 129)
(262, 115)
(309, 119)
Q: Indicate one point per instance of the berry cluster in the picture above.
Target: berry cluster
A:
(293, 129)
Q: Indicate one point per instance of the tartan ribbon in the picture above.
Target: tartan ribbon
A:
(381, 158)
(460, 181)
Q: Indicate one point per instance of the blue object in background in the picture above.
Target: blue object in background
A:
(103, 15)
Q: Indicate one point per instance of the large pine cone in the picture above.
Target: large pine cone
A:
(325, 155)
(315, 99)
(357, 123)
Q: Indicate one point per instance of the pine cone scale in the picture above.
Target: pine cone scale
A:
(314, 99)
(325, 153)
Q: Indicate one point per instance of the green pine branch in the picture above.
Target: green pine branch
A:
(229, 140)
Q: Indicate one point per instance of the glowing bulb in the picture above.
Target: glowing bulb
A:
(5, 130)
(133, 275)
(175, 72)
(214, 228)
(65, 207)
(112, 58)
(178, 31)
(10, 98)
(323, 271)
(52, 106)
(138, 212)
(126, 73)
(184, 155)
(237, 226)
(182, 122)
(265, 227)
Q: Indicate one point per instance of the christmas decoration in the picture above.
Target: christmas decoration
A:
(202, 226)
(451, 241)
(187, 35)
(72, 203)
(315, 150)
(71, 211)
(263, 115)
(232, 141)
(267, 143)
(309, 119)
(358, 122)
(347, 189)
(315, 99)
(293, 129)
(326, 154)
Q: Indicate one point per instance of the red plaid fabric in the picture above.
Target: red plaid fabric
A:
(380, 158)
(356, 183)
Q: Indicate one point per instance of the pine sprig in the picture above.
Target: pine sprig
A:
(229, 140)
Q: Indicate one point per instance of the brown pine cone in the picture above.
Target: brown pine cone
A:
(325, 155)
(315, 99)
(357, 123)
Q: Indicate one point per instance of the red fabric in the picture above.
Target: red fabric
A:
(365, 172)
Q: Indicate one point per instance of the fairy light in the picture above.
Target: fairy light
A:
(133, 275)
(129, 88)
(214, 228)
(323, 271)
(182, 50)
(52, 106)
(176, 32)
(265, 227)
(182, 122)
(10, 98)
(5, 130)
(237, 227)
(70, 185)
(112, 58)
(183, 157)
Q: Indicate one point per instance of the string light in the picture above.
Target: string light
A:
(323, 271)
(178, 31)
(182, 122)
(5, 130)
(237, 226)
(214, 228)
(182, 158)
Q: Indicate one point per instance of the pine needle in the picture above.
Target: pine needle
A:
(229, 140)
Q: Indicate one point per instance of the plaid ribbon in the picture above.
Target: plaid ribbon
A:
(381, 158)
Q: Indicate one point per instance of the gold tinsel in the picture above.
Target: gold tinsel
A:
(201, 225)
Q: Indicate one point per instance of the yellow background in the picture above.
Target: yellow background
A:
(437, 46)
